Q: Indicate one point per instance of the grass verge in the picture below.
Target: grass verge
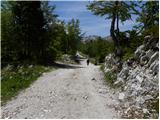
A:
(13, 80)
(109, 76)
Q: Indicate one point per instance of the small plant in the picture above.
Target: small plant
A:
(110, 78)
(102, 67)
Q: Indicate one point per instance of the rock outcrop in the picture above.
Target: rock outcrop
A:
(137, 81)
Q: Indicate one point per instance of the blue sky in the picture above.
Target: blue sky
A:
(89, 23)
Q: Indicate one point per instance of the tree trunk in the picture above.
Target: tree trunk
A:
(117, 17)
(113, 29)
(117, 33)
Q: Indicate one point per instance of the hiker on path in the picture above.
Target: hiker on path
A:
(87, 61)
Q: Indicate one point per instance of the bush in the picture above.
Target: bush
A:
(110, 78)
(128, 53)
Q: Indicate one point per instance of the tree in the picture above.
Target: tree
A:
(8, 50)
(73, 36)
(31, 33)
(97, 48)
(149, 17)
(49, 50)
(48, 13)
(58, 40)
(114, 10)
(29, 26)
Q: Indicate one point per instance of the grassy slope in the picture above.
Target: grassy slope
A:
(15, 79)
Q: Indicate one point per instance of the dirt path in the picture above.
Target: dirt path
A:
(77, 92)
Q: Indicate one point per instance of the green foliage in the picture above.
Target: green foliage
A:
(102, 67)
(82, 54)
(8, 50)
(130, 44)
(73, 36)
(97, 49)
(57, 40)
(15, 79)
(114, 10)
(148, 18)
(128, 53)
(153, 30)
(29, 29)
(31, 32)
(110, 78)
(150, 14)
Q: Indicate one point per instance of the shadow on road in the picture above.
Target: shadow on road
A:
(66, 66)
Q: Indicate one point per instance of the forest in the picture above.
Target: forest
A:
(44, 38)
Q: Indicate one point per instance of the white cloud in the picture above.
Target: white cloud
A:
(88, 22)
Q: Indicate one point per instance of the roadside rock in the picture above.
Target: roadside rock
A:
(153, 58)
(103, 91)
(155, 66)
(138, 82)
(119, 82)
(121, 96)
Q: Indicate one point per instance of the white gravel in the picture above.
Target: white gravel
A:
(64, 93)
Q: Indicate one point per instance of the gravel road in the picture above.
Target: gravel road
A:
(75, 92)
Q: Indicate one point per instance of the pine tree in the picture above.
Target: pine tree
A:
(29, 26)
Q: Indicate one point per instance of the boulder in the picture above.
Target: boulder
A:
(136, 87)
(153, 58)
(148, 97)
(140, 100)
(153, 43)
(145, 111)
(138, 52)
(144, 60)
(155, 66)
(140, 79)
(119, 81)
(102, 91)
(108, 60)
(121, 96)
(137, 82)
(130, 61)
(147, 40)
(149, 53)
(157, 45)
(124, 73)
(114, 68)
(108, 57)
(143, 53)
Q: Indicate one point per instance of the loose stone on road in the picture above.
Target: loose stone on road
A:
(77, 92)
